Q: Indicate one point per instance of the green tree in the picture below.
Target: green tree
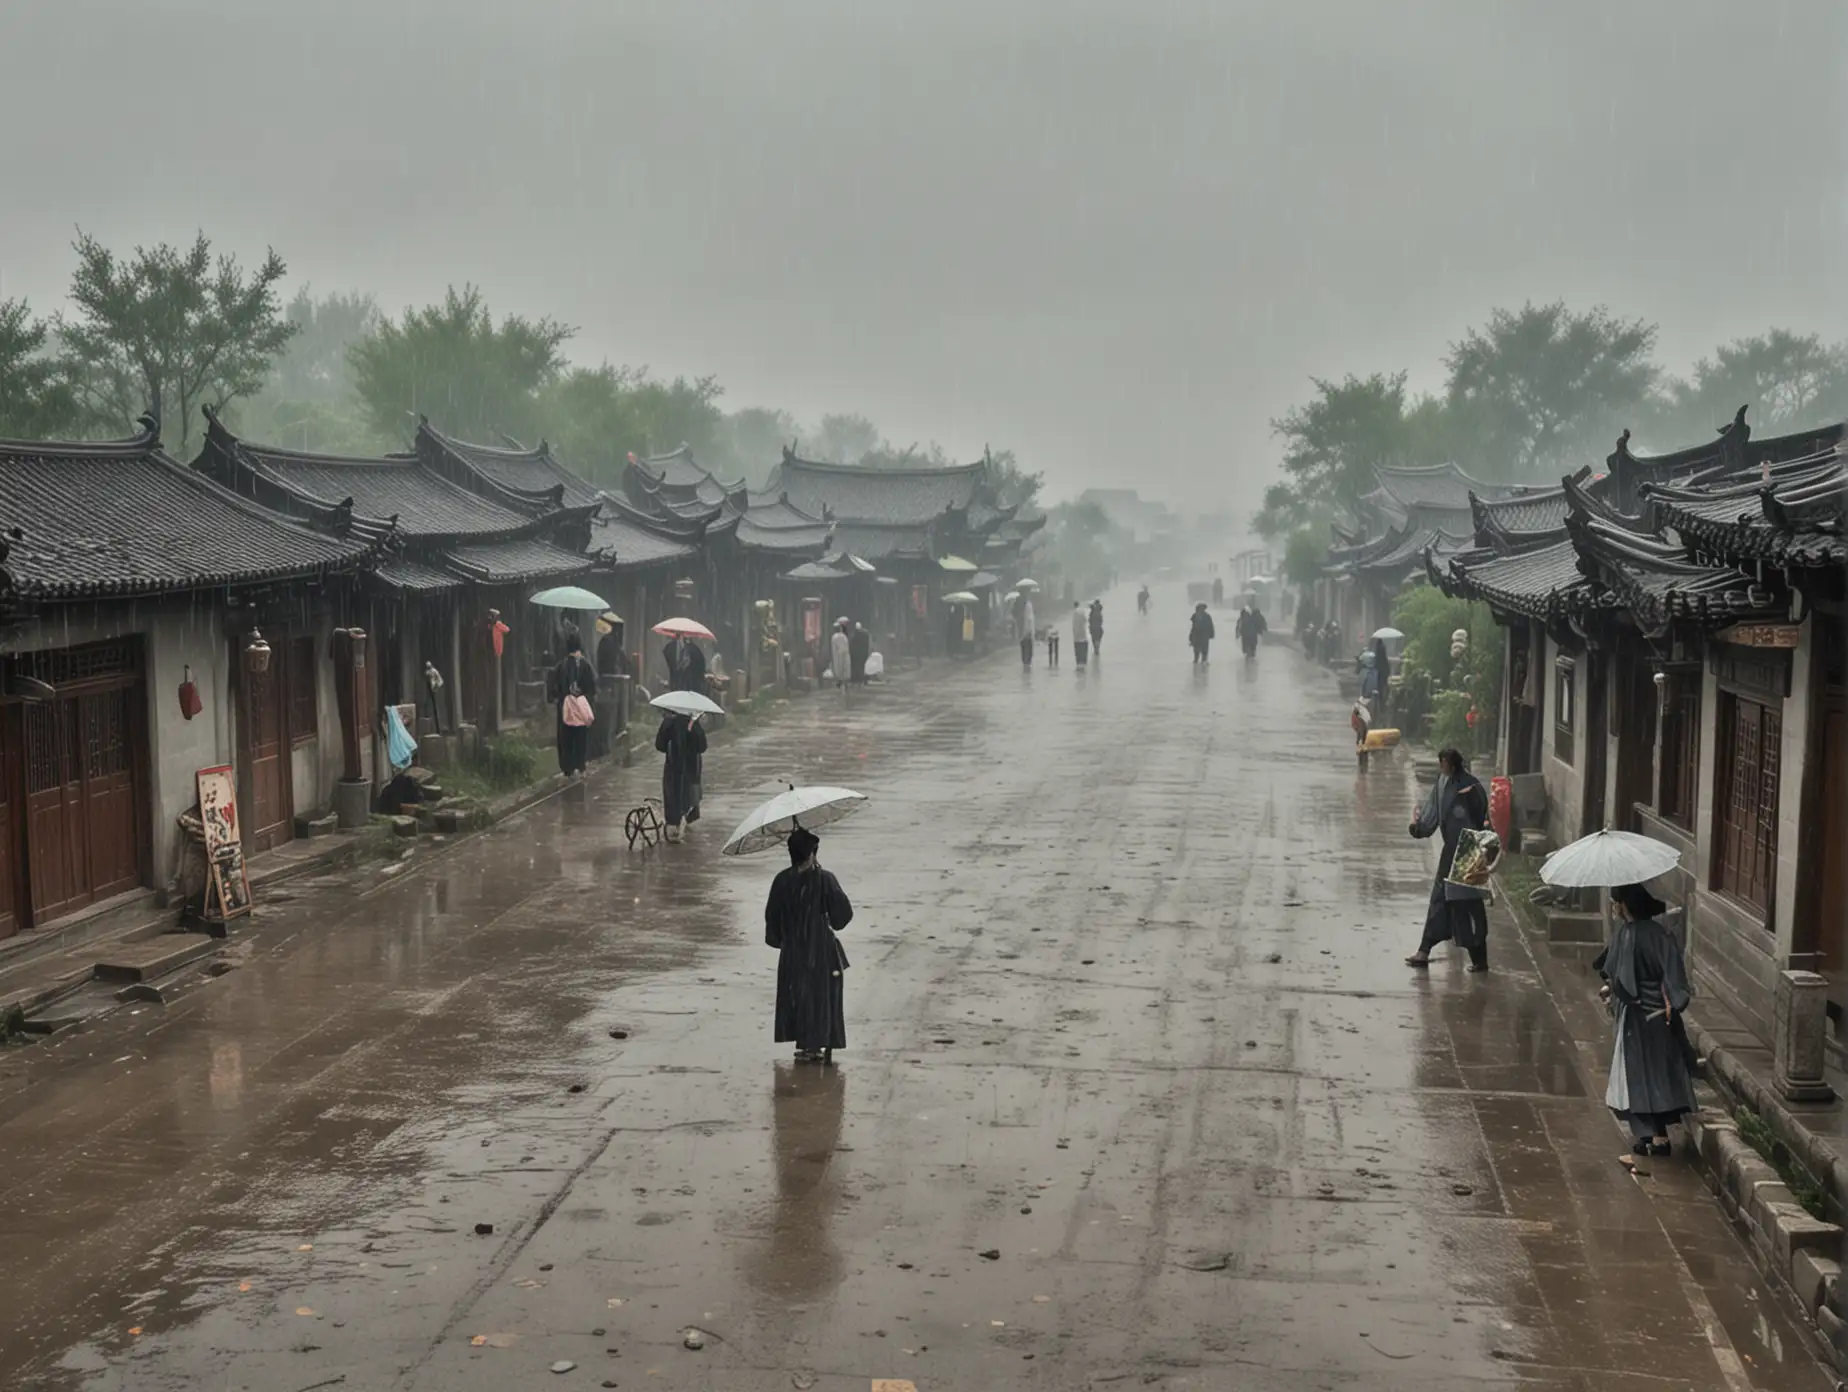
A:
(37, 402)
(309, 401)
(598, 416)
(753, 440)
(846, 438)
(1332, 445)
(169, 325)
(1790, 381)
(474, 378)
(1545, 389)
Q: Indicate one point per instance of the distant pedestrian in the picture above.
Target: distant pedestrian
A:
(1081, 635)
(1200, 632)
(574, 690)
(859, 648)
(1647, 987)
(683, 740)
(1383, 665)
(806, 908)
(1142, 600)
(1052, 645)
(1372, 686)
(1024, 624)
(1097, 627)
(1457, 804)
(1219, 589)
(1249, 626)
(840, 653)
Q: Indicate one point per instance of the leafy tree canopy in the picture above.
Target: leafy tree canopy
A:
(37, 401)
(1791, 382)
(1544, 388)
(474, 378)
(169, 325)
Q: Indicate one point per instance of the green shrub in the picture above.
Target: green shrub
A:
(1434, 682)
(1803, 1186)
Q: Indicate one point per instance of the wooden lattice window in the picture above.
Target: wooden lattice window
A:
(304, 709)
(1751, 736)
(1563, 671)
(1680, 748)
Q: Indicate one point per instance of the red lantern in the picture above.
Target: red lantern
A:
(190, 704)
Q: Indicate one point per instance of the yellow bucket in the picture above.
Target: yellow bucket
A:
(1382, 739)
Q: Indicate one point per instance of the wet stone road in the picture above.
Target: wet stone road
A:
(1138, 1095)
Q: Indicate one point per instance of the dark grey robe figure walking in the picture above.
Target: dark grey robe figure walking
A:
(1457, 803)
(683, 740)
(806, 908)
(573, 676)
(1649, 1088)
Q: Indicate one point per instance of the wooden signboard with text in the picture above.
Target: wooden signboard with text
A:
(227, 885)
(1764, 635)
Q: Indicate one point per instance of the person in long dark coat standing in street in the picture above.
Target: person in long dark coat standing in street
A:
(573, 676)
(859, 648)
(683, 740)
(1097, 627)
(806, 908)
(1457, 803)
(1647, 986)
(1200, 632)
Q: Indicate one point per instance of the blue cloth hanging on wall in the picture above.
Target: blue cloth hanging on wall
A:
(399, 745)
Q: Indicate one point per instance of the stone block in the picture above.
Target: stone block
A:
(1745, 1170)
(1564, 927)
(1810, 1275)
(404, 826)
(307, 824)
(449, 819)
(1765, 1198)
(1530, 800)
(1536, 843)
(433, 751)
(1798, 1232)
(1799, 1025)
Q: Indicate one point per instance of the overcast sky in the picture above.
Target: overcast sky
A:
(1117, 237)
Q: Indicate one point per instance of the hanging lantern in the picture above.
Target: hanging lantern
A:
(190, 704)
(256, 653)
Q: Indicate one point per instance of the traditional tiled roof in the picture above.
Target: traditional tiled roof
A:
(1656, 580)
(1407, 552)
(1543, 582)
(404, 573)
(632, 545)
(122, 518)
(395, 489)
(1437, 485)
(533, 473)
(517, 560)
(681, 471)
(1791, 514)
(881, 543)
(1731, 454)
(892, 497)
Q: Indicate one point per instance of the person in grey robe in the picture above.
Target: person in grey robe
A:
(806, 908)
(683, 740)
(1457, 803)
(1649, 1088)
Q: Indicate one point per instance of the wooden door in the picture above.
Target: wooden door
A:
(269, 814)
(104, 722)
(1636, 740)
(57, 836)
(1597, 751)
(12, 840)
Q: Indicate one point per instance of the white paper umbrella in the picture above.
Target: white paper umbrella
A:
(686, 703)
(1028, 585)
(1607, 858)
(569, 597)
(809, 808)
(1387, 633)
(682, 628)
(960, 597)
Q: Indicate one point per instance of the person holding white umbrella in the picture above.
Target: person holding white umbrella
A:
(1647, 988)
(683, 740)
(806, 908)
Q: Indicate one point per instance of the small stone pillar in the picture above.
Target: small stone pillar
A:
(1797, 1030)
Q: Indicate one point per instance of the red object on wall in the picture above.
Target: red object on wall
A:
(1501, 807)
(500, 632)
(190, 704)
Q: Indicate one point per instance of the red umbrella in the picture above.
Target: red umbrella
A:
(683, 628)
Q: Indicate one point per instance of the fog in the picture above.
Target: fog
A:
(1116, 238)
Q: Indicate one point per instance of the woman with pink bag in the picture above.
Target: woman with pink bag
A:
(574, 688)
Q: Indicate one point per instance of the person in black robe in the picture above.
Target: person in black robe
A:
(1457, 803)
(1097, 628)
(806, 908)
(692, 673)
(683, 739)
(1200, 632)
(573, 676)
(859, 648)
(1647, 988)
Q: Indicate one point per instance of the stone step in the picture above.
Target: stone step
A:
(152, 957)
(1574, 927)
(307, 824)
